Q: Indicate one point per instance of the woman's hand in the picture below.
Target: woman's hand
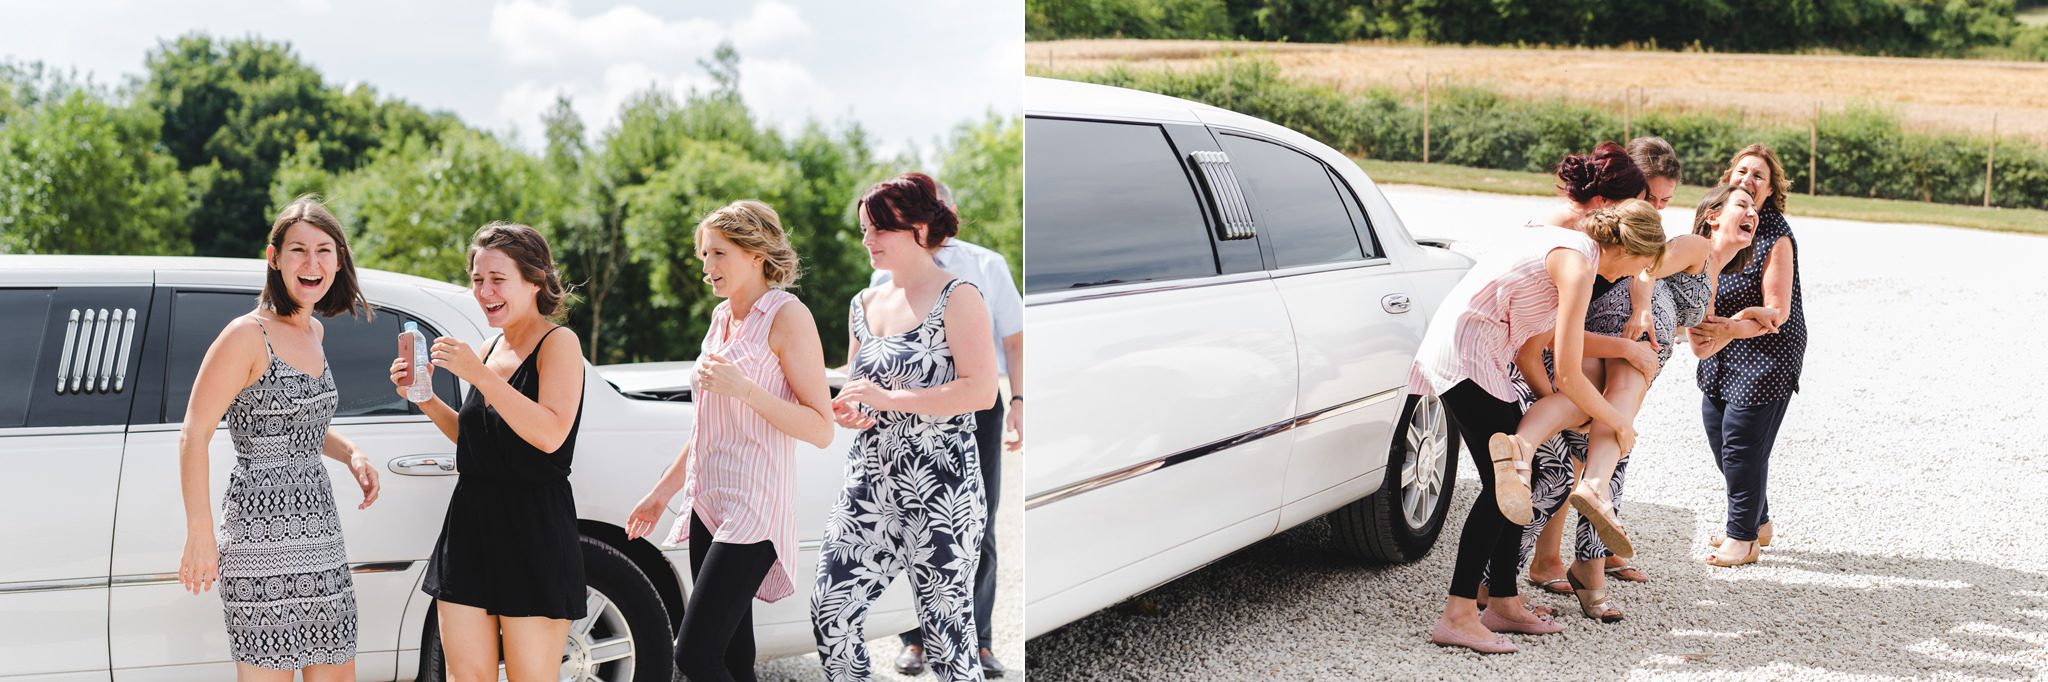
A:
(200, 567)
(1639, 325)
(870, 394)
(641, 522)
(401, 375)
(1625, 437)
(719, 375)
(846, 413)
(366, 476)
(1643, 357)
(454, 355)
(1768, 318)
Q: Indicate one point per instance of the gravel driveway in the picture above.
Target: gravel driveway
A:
(1009, 608)
(1907, 486)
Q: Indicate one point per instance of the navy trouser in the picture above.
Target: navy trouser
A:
(988, 439)
(1742, 436)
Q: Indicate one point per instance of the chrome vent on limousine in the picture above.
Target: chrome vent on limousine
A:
(97, 344)
(1217, 177)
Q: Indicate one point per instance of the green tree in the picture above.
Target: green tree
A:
(80, 175)
(984, 166)
(236, 108)
(413, 207)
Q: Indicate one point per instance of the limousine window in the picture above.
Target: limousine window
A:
(1300, 210)
(359, 353)
(24, 316)
(1110, 203)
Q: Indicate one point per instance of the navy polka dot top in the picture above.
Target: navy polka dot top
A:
(1761, 369)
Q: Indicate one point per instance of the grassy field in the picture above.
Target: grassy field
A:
(1928, 94)
(2025, 221)
(2037, 16)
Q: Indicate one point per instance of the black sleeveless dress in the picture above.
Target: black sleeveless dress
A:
(509, 544)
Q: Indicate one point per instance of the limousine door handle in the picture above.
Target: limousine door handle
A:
(1394, 303)
(424, 465)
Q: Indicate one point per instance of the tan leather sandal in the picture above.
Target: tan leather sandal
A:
(1511, 470)
(1601, 512)
(1593, 603)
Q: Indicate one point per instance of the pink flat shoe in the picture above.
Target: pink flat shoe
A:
(1443, 636)
(1499, 623)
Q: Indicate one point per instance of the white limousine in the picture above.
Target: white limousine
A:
(1223, 312)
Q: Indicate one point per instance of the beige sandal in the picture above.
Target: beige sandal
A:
(1593, 603)
(1511, 479)
(1755, 553)
(1763, 536)
(1601, 514)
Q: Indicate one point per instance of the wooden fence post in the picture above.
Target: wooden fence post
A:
(1989, 159)
(1425, 117)
(1626, 129)
(1813, 152)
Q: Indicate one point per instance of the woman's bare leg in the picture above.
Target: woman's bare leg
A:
(249, 673)
(533, 647)
(340, 672)
(1626, 388)
(469, 642)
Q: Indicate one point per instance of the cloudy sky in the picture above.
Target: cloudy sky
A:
(906, 70)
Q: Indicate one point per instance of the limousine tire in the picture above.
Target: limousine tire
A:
(1400, 522)
(624, 638)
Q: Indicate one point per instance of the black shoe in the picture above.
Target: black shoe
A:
(990, 667)
(911, 661)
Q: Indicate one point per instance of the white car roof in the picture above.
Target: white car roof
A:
(1054, 97)
(131, 265)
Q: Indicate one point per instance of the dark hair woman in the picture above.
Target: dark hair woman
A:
(285, 585)
(1748, 384)
(508, 566)
(923, 361)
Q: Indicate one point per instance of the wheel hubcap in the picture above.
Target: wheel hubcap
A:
(600, 646)
(1422, 468)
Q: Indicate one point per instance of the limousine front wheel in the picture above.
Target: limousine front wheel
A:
(1400, 522)
(624, 637)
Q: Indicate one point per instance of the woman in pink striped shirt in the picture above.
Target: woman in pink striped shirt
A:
(1532, 288)
(760, 387)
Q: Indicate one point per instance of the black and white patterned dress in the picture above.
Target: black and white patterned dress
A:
(913, 501)
(284, 578)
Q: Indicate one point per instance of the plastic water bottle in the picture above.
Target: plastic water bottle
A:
(422, 388)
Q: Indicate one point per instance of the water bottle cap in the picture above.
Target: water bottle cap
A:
(411, 326)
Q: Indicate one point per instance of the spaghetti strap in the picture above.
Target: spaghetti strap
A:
(266, 336)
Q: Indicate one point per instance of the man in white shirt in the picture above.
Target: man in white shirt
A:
(989, 272)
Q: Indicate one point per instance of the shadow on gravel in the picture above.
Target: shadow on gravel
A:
(1290, 608)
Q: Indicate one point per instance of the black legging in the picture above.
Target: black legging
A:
(1488, 536)
(717, 637)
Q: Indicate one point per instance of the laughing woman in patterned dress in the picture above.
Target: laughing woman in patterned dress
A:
(278, 555)
(922, 360)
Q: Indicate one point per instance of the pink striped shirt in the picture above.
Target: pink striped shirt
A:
(1506, 299)
(742, 474)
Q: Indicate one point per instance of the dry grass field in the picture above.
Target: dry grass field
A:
(1928, 94)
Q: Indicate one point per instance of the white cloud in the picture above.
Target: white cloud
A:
(531, 32)
(315, 6)
(783, 92)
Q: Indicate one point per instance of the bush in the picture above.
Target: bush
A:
(1883, 27)
(1863, 151)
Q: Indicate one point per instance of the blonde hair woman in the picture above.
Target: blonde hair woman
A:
(759, 388)
(1531, 291)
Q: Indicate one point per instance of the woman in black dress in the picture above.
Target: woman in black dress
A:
(509, 564)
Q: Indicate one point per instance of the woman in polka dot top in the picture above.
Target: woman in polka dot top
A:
(1752, 367)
